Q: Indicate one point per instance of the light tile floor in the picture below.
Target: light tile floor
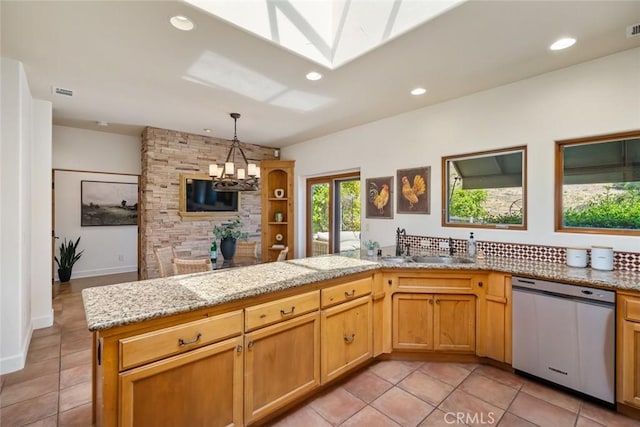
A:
(54, 388)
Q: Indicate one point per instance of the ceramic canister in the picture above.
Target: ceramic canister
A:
(602, 257)
(577, 257)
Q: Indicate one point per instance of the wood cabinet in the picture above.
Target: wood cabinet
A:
(347, 336)
(628, 349)
(494, 317)
(200, 388)
(442, 322)
(192, 361)
(282, 364)
(277, 198)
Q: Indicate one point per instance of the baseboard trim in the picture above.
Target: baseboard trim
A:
(103, 271)
(42, 321)
(17, 361)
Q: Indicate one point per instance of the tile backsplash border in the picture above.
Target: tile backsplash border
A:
(624, 261)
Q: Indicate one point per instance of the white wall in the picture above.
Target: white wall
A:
(25, 293)
(597, 97)
(95, 156)
(88, 150)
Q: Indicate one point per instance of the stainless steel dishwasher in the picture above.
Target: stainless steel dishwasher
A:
(565, 334)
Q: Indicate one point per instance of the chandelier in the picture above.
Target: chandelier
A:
(229, 177)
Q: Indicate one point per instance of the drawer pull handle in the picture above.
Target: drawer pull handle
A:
(182, 342)
(287, 313)
(350, 339)
(350, 294)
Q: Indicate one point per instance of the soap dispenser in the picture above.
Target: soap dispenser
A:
(471, 248)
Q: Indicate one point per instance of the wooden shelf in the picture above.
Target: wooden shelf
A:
(276, 174)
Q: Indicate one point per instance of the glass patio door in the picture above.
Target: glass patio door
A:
(333, 214)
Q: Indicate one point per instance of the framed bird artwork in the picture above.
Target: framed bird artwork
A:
(414, 193)
(379, 196)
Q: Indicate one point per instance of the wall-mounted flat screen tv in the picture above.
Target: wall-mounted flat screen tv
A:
(201, 197)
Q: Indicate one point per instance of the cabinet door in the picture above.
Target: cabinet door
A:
(494, 328)
(412, 321)
(282, 362)
(631, 363)
(200, 388)
(346, 337)
(454, 322)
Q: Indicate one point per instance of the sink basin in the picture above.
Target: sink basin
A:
(442, 260)
(399, 259)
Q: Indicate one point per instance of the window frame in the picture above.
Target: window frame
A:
(487, 153)
(558, 186)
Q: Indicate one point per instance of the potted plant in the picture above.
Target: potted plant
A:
(68, 257)
(371, 246)
(228, 233)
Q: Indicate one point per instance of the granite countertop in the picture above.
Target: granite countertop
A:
(125, 303)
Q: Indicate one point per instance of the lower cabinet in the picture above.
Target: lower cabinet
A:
(347, 337)
(282, 363)
(443, 322)
(494, 318)
(629, 350)
(202, 387)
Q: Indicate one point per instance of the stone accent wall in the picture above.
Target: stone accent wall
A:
(165, 155)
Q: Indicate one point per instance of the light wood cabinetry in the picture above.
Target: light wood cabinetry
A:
(277, 175)
(433, 311)
(347, 336)
(442, 322)
(198, 388)
(193, 361)
(282, 364)
(628, 349)
(494, 318)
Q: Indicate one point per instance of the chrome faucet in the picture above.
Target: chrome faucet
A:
(452, 250)
(398, 246)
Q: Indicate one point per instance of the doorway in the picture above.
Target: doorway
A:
(333, 214)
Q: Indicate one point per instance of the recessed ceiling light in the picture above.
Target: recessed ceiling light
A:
(314, 76)
(563, 43)
(418, 91)
(205, 130)
(182, 23)
(101, 123)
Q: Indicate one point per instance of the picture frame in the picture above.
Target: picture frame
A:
(379, 205)
(414, 190)
(104, 203)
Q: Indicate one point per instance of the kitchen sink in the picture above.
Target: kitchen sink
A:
(428, 259)
(442, 260)
(398, 259)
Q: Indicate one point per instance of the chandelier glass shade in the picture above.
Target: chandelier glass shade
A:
(231, 177)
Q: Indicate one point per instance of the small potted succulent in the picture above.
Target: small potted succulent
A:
(371, 246)
(228, 233)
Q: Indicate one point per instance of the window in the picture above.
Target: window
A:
(333, 214)
(485, 189)
(597, 186)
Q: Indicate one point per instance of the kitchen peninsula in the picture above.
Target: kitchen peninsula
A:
(238, 346)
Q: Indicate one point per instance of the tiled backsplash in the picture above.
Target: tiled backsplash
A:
(626, 261)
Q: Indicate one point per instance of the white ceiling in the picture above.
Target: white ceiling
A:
(129, 67)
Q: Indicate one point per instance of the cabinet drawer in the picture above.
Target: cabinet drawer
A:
(347, 291)
(268, 313)
(632, 309)
(135, 351)
(435, 284)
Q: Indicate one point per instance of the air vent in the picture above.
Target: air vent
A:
(61, 91)
(633, 30)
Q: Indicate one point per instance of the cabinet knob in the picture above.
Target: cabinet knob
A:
(250, 345)
(349, 339)
(239, 348)
(437, 301)
(480, 284)
(390, 282)
(430, 301)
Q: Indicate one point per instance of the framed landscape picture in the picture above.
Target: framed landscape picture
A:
(379, 197)
(108, 203)
(414, 195)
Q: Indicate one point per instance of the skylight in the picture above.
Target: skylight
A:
(328, 32)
